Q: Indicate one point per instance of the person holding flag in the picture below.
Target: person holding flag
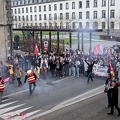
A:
(1, 88)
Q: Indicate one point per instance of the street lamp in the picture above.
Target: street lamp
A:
(108, 29)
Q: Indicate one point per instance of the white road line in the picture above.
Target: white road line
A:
(62, 79)
(8, 109)
(71, 101)
(6, 104)
(36, 87)
(24, 116)
(13, 114)
(6, 100)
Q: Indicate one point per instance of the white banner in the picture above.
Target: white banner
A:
(100, 70)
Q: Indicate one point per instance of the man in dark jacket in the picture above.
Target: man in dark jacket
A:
(90, 67)
(114, 98)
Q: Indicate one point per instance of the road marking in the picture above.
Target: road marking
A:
(36, 87)
(6, 104)
(71, 101)
(9, 109)
(13, 114)
(62, 79)
(24, 116)
(6, 100)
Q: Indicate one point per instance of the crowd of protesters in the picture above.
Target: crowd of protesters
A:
(62, 65)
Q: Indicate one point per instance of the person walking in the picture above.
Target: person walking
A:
(114, 98)
(31, 77)
(107, 90)
(18, 75)
(90, 67)
(1, 88)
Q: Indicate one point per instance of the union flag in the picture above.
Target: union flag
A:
(36, 50)
(110, 68)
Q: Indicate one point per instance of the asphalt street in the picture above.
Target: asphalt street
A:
(48, 94)
(89, 109)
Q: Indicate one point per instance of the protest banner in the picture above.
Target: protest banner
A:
(100, 70)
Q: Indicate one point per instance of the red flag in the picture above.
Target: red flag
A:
(110, 68)
(6, 79)
(98, 49)
(109, 52)
(36, 50)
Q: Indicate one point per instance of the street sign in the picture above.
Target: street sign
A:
(45, 43)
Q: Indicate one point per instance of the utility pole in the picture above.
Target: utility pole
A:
(108, 28)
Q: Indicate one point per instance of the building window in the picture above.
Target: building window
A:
(103, 3)
(61, 16)
(95, 15)
(45, 17)
(35, 17)
(95, 25)
(55, 6)
(112, 3)
(30, 9)
(80, 25)
(80, 4)
(22, 10)
(15, 18)
(103, 14)
(67, 25)
(45, 25)
(95, 3)
(15, 11)
(26, 9)
(40, 17)
(18, 10)
(112, 13)
(40, 25)
(111, 25)
(87, 4)
(87, 15)
(55, 16)
(31, 18)
(61, 6)
(36, 24)
(26, 17)
(19, 18)
(35, 9)
(73, 15)
(103, 25)
(49, 7)
(67, 6)
(87, 25)
(39, 8)
(73, 25)
(50, 17)
(44, 7)
(23, 18)
(80, 15)
(73, 5)
(67, 16)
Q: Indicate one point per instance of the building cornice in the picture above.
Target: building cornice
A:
(40, 3)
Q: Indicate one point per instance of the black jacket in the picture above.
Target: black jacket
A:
(90, 66)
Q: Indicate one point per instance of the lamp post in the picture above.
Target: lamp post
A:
(108, 29)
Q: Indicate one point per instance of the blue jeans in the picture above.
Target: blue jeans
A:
(90, 76)
(30, 87)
